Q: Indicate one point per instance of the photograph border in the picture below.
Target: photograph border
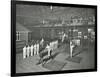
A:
(13, 37)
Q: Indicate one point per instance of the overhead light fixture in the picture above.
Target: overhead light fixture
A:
(51, 7)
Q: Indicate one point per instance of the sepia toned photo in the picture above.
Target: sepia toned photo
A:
(55, 38)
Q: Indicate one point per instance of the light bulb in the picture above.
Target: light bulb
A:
(51, 7)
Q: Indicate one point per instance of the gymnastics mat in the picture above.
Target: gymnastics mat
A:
(54, 65)
(74, 59)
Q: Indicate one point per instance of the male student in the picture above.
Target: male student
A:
(71, 48)
(37, 48)
(51, 45)
(28, 51)
(24, 52)
(41, 42)
(31, 49)
(48, 49)
(63, 37)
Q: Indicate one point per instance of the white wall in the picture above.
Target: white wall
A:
(5, 38)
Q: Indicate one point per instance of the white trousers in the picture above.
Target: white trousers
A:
(71, 50)
(28, 52)
(24, 54)
(31, 51)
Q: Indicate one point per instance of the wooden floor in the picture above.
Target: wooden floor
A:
(29, 64)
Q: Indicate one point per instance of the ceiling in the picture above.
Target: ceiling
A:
(33, 15)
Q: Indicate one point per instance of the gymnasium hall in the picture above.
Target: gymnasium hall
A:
(54, 38)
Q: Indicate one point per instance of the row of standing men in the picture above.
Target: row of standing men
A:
(33, 49)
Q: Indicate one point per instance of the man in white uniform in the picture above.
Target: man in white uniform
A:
(71, 48)
(41, 42)
(48, 49)
(24, 52)
(56, 44)
(28, 51)
(32, 47)
(51, 45)
(63, 37)
(35, 49)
